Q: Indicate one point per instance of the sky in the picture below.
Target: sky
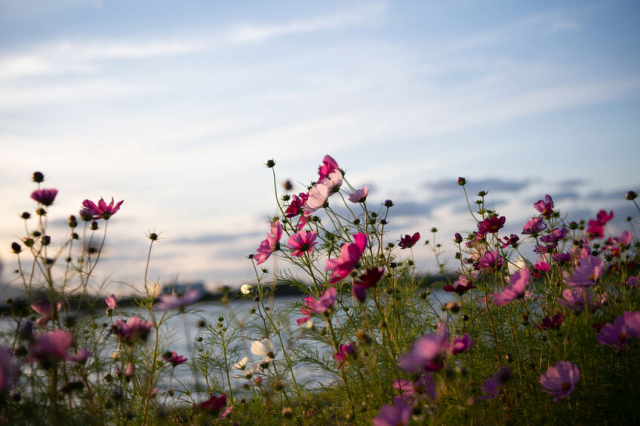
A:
(174, 107)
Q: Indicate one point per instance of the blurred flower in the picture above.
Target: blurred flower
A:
(491, 260)
(44, 196)
(461, 344)
(397, 414)
(112, 303)
(424, 385)
(50, 348)
(551, 323)
(320, 306)
(245, 289)
(409, 241)
(241, 365)
(214, 404)
(587, 273)
(102, 210)
(560, 380)
(135, 329)
(302, 242)
(427, 352)
(264, 348)
(350, 254)
(346, 351)
(271, 244)
(173, 358)
(460, 286)
(495, 383)
(578, 299)
(561, 257)
(80, 357)
(360, 195)
(618, 333)
(173, 301)
(633, 281)
(43, 307)
(8, 371)
(545, 207)
(519, 281)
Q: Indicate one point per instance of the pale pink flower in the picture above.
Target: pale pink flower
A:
(271, 244)
(587, 273)
(43, 307)
(302, 242)
(578, 299)
(102, 210)
(350, 254)
(519, 281)
(173, 301)
(320, 306)
(427, 352)
(133, 330)
(112, 303)
(560, 380)
(359, 196)
(318, 195)
(333, 181)
(623, 328)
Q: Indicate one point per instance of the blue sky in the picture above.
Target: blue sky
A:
(175, 106)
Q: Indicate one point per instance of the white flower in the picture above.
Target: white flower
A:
(242, 364)
(263, 348)
(245, 289)
(248, 373)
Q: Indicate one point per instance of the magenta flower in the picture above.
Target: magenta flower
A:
(329, 165)
(491, 225)
(102, 210)
(214, 404)
(595, 229)
(560, 380)
(603, 217)
(271, 244)
(397, 414)
(50, 348)
(460, 286)
(618, 333)
(365, 281)
(494, 384)
(424, 385)
(173, 301)
(578, 299)
(295, 206)
(633, 282)
(519, 281)
(302, 242)
(359, 196)
(43, 307)
(534, 226)
(587, 273)
(551, 323)
(350, 254)
(44, 196)
(346, 352)
(136, 329)
(509, 241)
(491, 260)
(173, 358)
(427, 352)
(409, 241)
(461, 344)
(561, 258)
(556, 235)
(320, 306)
(8, 371)
(545, 207)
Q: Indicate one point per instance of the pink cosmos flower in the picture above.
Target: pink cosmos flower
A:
(545, 207)
(551, 323)
(365, 281)
(491, 260)
(397, 414)
(102, 210)
(409, 241)
(534, 226)
(461, 344)
(80, 357)
(633, 282)
(556, 235)
(44, 196)
(346, 352)
(618, 333)
(626, 238)
(519, 281)
(603, 217)
(587, 273)
(333, 181)
(43, 307)
(112, 303)
(271, 244)
(427, 352)
(560, 380)
(8, 371)
(302, 242)
(173, 358)
(510, 241)
(491, 225)
(50, 348)
(173, 301)
(350, 254)
(320, 306)
(561, 258)
(133, 330)
(359, 196)
(424, 385)
(495, 383)
(539, 269)
(329, 165)
(295, 206)
(578, 299)
(595, 229)
(214, 404)
(318, 195)
(460, 286)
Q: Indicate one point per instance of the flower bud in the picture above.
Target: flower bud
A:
(457, 238)
(25, 215)
(73, 222)
(462, 181)
(37, 177)
(270, 163)
(93, 226)
(45, 240)
(631, 195)
(388, 203)
(16, 248)
(28, 242)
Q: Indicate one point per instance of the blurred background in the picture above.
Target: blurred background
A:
(174, 107)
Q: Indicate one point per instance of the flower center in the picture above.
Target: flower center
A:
(566, 386)
(592, 277)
